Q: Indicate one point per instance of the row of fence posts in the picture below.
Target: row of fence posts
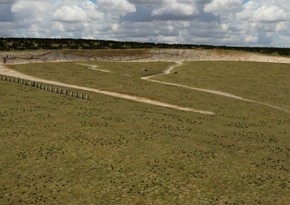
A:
(45, 87)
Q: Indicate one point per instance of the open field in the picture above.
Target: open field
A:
(266, 82)
(60, 150)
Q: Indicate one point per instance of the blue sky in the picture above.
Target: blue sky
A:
(218, 22)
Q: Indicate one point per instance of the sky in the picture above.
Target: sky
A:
(214, 22)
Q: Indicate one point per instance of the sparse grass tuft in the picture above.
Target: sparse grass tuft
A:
(55, 149)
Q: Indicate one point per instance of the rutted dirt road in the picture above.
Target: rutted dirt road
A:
(9, 72)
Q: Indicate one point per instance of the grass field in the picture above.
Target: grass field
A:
(267, 82)
(60, 150)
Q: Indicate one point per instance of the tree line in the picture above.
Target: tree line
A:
(11, 44)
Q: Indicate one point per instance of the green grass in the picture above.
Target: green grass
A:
(79, 75)
(55, 149)
(266, 82)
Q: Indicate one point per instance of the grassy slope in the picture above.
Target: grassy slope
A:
(266, 82)
(59, 150)
(119, 82)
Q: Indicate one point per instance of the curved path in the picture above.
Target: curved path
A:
(9, 72)
(215, 92)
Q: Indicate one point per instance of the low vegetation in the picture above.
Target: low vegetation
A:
(11, 44)
(56, 149)
(266, 82)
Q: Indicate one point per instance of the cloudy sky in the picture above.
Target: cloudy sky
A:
(218, 22)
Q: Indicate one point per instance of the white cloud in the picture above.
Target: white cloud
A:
(269, 14)
(175, 10)
(70, 14)
(223, 5)
(230, 22)
(248, 10)
(149, 2)
(30, 9)
(116, 5)
(262, 13)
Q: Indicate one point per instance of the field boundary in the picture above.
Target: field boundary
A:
(45, 87)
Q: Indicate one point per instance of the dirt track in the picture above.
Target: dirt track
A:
(8, 72)
(161, 55)
(215, 92)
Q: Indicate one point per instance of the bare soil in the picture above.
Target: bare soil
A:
(124, 55)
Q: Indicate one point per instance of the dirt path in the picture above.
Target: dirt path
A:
(215, 92)
(94, 67)
(165, 72)
(6, 71)
(9, 72)
(168, 70)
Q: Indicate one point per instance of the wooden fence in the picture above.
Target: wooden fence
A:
(45, 87)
